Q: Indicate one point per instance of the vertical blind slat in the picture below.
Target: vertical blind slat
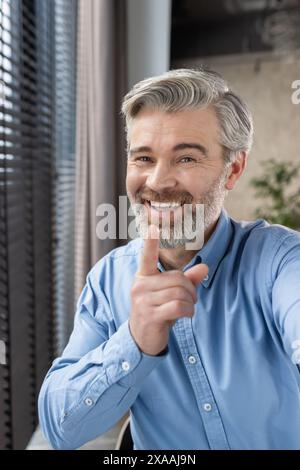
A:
(26, 160)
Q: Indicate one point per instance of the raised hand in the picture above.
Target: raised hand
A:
(159, 299)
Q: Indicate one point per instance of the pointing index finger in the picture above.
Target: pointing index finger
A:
(149, 255)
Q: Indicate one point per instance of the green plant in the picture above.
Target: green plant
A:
(280, 205)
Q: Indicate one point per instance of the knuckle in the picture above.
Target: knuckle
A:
(178, 292)
(178, 304)
(134, 289)
(180, 274)
(179, 277)
(137, 286)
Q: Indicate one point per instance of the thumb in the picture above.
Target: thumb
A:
(197, 273)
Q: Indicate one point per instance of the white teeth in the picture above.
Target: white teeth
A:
(164, 205)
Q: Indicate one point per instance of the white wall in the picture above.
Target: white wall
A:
(149, 28)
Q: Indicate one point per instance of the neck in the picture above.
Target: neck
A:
(177, 258)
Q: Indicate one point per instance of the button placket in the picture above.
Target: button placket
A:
(203, 392)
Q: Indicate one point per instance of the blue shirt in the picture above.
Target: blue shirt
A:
(230, 377)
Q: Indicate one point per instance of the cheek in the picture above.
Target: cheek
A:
(134, 181)
(199, 187)
(193, 185)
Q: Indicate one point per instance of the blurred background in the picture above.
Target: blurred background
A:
(64, 67)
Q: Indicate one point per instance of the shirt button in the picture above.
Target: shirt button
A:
(88, 402)
(192, 360)
(207, 407)
(125, 365)
(206, 278)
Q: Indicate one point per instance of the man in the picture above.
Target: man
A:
(201, 345)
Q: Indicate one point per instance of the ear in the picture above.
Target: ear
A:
(236, 169)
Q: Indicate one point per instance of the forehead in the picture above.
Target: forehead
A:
(193, 124)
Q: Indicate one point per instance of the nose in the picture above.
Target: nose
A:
(161, 177)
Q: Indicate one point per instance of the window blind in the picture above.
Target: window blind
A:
(65, 20)
(26, 149)
(37, 170)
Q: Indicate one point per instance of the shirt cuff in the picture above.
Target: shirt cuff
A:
(130, 366)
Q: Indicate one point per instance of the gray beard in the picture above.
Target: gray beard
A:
(183, 232)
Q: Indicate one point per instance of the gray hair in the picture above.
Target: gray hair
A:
(181, 89)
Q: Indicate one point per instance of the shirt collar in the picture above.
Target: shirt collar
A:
(214, 249)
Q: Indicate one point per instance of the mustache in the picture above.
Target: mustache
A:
(182, 198)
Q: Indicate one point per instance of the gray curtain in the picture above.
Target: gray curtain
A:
(100, 142)
(64, 104)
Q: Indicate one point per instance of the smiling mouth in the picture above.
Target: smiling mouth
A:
(162, 206)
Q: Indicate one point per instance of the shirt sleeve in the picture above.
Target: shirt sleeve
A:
(286, 294)
(97, 378)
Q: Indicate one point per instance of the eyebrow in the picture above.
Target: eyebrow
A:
(181, 146)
